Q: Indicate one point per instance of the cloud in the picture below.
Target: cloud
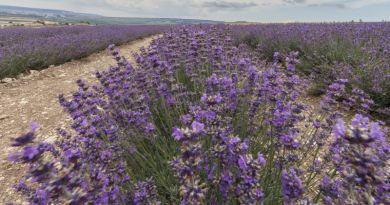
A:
(364, 3)
(330, 5)
(228, 5)
(340, 4)
(294, 1)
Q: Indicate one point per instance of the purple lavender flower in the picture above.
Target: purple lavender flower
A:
(331, 190)
(361, 152)
(292, 187)
(197, 127)
(26, 138)
(145, 193)
(177, 134)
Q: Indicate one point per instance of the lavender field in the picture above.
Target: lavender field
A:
(359, 52)
(218, 114)
(22, 49)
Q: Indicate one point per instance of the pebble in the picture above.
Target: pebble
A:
(33, 72)
(3, 117)
(7, 80)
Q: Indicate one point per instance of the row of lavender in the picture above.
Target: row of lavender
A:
(201, 121)
(22, 49)
(359, 52)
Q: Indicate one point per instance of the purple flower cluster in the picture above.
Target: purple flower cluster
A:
(360, 156)
(145, 193)
(338, 97)
(358, 52)
(292, 188)
(211, 147)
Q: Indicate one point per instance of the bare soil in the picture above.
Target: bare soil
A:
(34, 98)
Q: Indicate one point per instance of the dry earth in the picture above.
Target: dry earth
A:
(33, 98)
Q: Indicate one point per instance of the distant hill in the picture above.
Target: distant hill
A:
(73, 17)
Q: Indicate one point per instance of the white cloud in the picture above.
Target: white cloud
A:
(363, 3)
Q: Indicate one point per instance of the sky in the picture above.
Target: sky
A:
(225, 10)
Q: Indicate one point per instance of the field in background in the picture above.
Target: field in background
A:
(17, 21)
(20, 21)
(22, 49)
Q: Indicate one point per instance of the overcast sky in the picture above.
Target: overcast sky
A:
(226, 10)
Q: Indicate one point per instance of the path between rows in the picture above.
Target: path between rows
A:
(34, 99)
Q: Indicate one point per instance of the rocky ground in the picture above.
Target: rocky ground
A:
(33, 98)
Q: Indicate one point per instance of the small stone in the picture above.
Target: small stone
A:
(7, 80)
(3, 117)
(33, 72)
(23, 101)
(20, 76)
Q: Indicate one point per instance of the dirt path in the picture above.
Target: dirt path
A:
(34, 99)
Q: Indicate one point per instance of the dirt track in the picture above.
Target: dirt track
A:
(33, 98)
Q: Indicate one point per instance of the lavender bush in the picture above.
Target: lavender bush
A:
(22, 49)
(358, 52)
(202, 121)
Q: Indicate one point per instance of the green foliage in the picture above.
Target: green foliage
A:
(153, 154)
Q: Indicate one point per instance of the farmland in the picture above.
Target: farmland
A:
(22, 49)
(216, 114)
(17, 21)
